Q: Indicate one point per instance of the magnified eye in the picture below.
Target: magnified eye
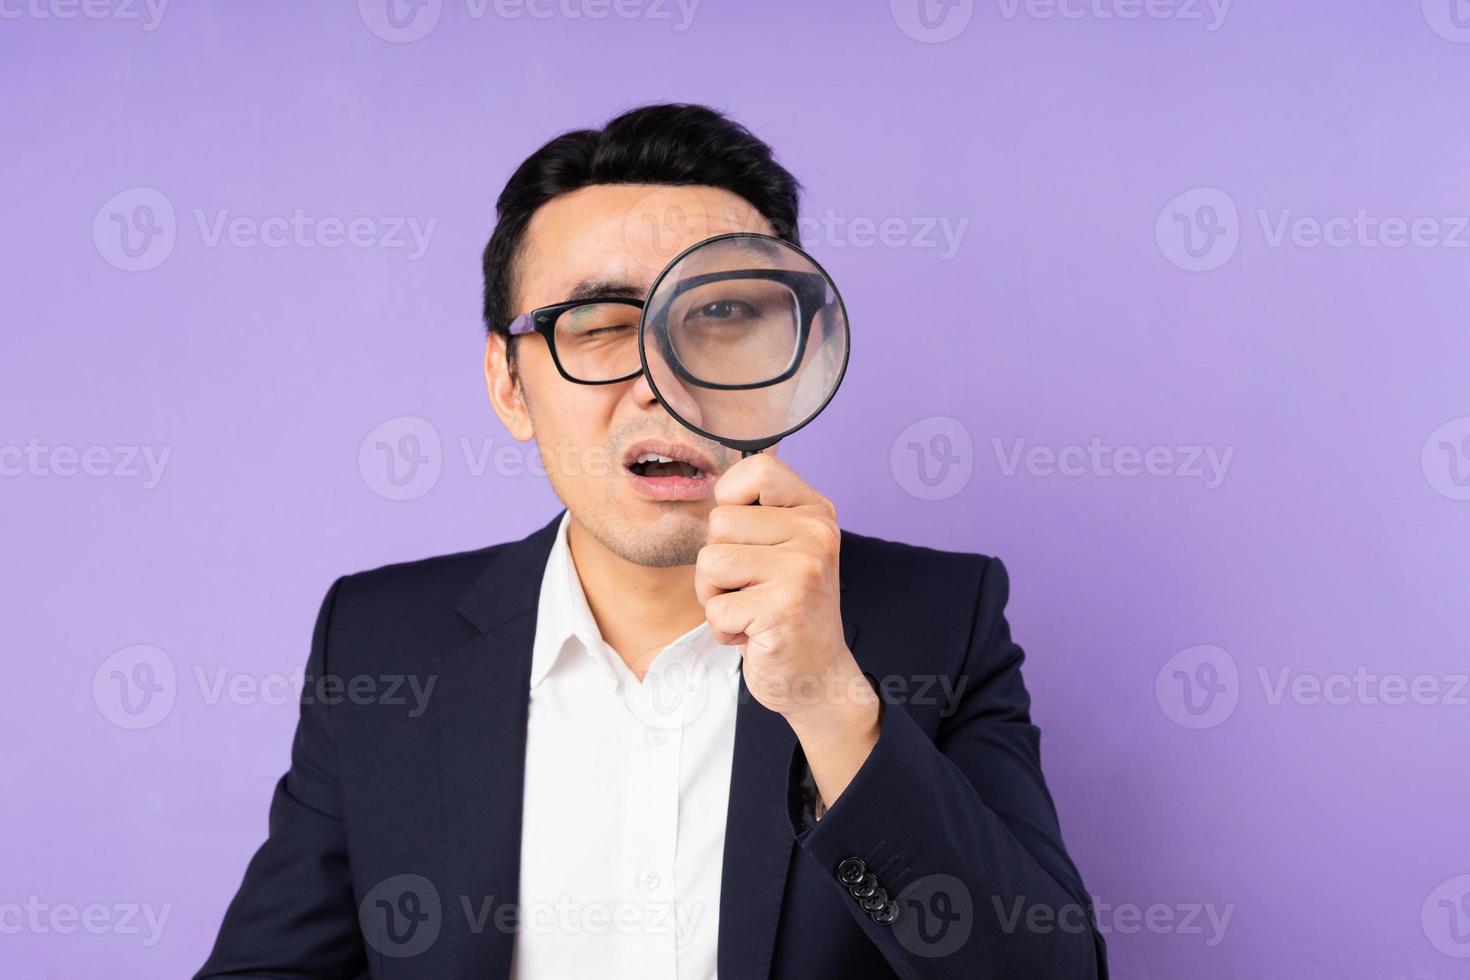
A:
(725, 309)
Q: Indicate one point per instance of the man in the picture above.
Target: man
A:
(687, 727)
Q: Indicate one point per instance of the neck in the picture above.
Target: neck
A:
(638, 608)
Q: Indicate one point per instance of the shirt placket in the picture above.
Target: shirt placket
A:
(651, 872)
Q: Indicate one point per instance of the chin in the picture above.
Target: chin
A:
(672, 536)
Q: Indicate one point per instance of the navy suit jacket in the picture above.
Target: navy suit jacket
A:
(394, 843)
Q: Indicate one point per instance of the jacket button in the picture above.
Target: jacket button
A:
(851, 871)
(875, 902)
(886, 915)
(865, 888)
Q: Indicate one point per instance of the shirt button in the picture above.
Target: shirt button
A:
(656, 736)
(649, 880)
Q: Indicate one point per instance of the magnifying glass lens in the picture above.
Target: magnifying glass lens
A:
(744, 339)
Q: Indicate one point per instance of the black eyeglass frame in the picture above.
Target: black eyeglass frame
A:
(543, 319)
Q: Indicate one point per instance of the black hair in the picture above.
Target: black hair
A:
(671, 143)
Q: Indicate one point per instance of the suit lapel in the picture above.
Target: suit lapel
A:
(481, 751)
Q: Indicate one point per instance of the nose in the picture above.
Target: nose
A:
(642, 392)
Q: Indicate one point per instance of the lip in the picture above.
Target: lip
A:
(671, 487)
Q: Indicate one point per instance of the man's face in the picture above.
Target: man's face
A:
(612, 240)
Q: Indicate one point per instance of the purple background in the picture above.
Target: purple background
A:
(1335, 542)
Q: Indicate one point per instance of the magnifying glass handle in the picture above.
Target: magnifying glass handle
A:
(748, 452)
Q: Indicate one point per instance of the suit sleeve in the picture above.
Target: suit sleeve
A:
(294, 914)
(947, 849)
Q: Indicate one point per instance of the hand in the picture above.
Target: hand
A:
(768, 581)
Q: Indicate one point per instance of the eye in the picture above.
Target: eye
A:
(725, 309)
(603, 331)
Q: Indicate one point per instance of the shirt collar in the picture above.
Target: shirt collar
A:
(563, 616)
(562, 613)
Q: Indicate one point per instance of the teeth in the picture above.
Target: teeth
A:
(654, 458)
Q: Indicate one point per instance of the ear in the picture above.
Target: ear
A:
(504, 391)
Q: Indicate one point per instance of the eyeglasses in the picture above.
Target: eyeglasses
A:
(733, 329)
(592, 341)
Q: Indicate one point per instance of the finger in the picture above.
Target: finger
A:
(751, 524)
(729, 615)
(727, 567)
(764, 479)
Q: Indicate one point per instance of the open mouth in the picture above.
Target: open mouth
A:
(656, 465)
(669, 471)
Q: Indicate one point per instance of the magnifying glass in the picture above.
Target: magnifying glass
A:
(744, 339)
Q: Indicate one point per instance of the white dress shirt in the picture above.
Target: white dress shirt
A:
(627, 785)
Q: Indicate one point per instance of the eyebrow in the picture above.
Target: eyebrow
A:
(760, 246)
(606, 288)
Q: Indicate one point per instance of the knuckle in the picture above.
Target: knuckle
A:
(703, 560)
(716, 557)
(721, 519)
(824, 531)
